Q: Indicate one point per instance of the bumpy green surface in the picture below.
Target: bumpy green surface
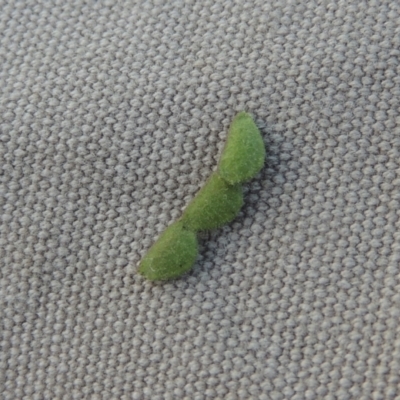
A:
(216, 204)
(172, 255)
(244, 152)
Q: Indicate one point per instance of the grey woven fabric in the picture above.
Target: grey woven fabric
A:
(112, 116)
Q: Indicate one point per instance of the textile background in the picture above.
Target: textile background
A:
(112, 116)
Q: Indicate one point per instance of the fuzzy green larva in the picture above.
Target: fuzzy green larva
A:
(217, 203)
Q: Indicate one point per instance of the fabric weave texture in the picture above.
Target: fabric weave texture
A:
(114, 113)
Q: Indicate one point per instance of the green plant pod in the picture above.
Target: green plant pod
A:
(244, 152)
(216, 204)
(171, 255)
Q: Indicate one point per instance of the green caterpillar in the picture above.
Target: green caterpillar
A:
(217, 203)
